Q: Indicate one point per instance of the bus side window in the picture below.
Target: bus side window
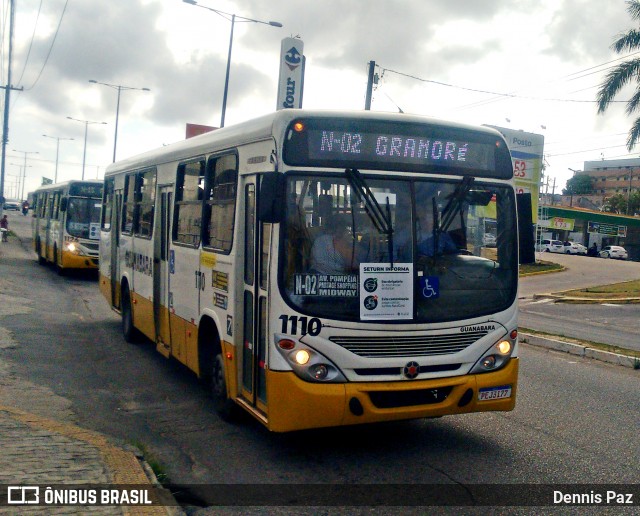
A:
(145, 201)
(107, 204)
(56, 206)
(220, 196)
(188, 203)
(128, 204)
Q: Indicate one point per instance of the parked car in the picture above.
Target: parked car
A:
(12, 205)
(614, 251)
(489, 240)
(575, 248)
(550, 246)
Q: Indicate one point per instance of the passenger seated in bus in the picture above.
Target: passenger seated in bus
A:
(402, 237)
(336, 250)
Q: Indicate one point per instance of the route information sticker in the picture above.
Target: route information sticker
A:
(386, 292)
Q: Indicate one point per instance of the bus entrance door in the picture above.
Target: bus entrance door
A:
(161, 273)
(115, 243)
(254, 300)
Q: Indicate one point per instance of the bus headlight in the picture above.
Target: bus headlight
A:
(307, 363)
(74, 248)
(497, 355)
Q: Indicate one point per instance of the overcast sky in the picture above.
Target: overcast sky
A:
(537, 64)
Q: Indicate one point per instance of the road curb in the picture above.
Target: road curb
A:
(580, 350)
(559, 297)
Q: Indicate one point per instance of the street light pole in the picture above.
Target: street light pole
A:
(57, 138)
(226, 76)
(86, 125)
(25, 166)
(232, 18)
(119, 89)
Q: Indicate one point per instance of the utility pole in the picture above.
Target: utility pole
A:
(629, 193)
(7, 99)
(367, 102)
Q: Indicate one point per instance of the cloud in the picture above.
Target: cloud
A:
(582, 30)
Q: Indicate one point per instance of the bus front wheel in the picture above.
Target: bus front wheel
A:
(129, 331)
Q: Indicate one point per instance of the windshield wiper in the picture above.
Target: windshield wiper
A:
(380, 219)
(456, 201)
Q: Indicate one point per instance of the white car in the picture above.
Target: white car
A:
(550, 246)
(574, 248)
(12, 205)
(614, 251)
(489, 240)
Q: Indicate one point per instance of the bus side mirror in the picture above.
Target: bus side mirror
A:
(272, 198)
(63, 204)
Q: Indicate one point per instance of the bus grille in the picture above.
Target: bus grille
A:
(408, 346)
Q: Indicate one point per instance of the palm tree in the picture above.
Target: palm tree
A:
(624, 73)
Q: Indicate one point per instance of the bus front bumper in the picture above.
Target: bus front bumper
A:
(71, 260)
(296, 404)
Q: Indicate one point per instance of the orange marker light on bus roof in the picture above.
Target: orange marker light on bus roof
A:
(298, 127)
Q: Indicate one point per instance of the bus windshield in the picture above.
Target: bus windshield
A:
(83, 217)
(415, 250)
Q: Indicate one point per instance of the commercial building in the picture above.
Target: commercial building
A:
(610, 177)
(588, 226)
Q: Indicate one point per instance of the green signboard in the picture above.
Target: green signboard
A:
(607, 229)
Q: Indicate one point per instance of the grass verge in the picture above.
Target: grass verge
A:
(158, 469)
(614, 291)
(539, 267)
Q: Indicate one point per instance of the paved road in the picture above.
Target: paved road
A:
(575, 420)
(581, 272)
(616, 325)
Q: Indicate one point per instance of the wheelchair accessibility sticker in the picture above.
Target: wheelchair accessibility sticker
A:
(430, 287)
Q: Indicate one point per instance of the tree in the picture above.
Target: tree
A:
(623, 74)
(634, 203)
(579, 185)
(616, 204)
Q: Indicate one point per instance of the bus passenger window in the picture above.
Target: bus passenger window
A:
(188, 204)
(129, 203)
(221, 203)
(146, 202)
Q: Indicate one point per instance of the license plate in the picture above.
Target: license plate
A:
(495, 393)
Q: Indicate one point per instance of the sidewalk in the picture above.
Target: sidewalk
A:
(39, 449)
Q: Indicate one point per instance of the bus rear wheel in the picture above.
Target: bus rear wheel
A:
(225, 407)
(129, 331)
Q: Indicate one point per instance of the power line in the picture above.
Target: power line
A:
(499, 94)
(33, 35)
(50, 48)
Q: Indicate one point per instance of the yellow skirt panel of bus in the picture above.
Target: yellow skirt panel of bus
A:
(69, 260)
(142, 309)
(295, 404)
(104, 284)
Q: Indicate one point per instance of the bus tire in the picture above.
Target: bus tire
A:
(129, 331)
(223, 405)
(59, 269)
(41, 259)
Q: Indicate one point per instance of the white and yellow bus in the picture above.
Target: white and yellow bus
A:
(66, 224)
(222, 250)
